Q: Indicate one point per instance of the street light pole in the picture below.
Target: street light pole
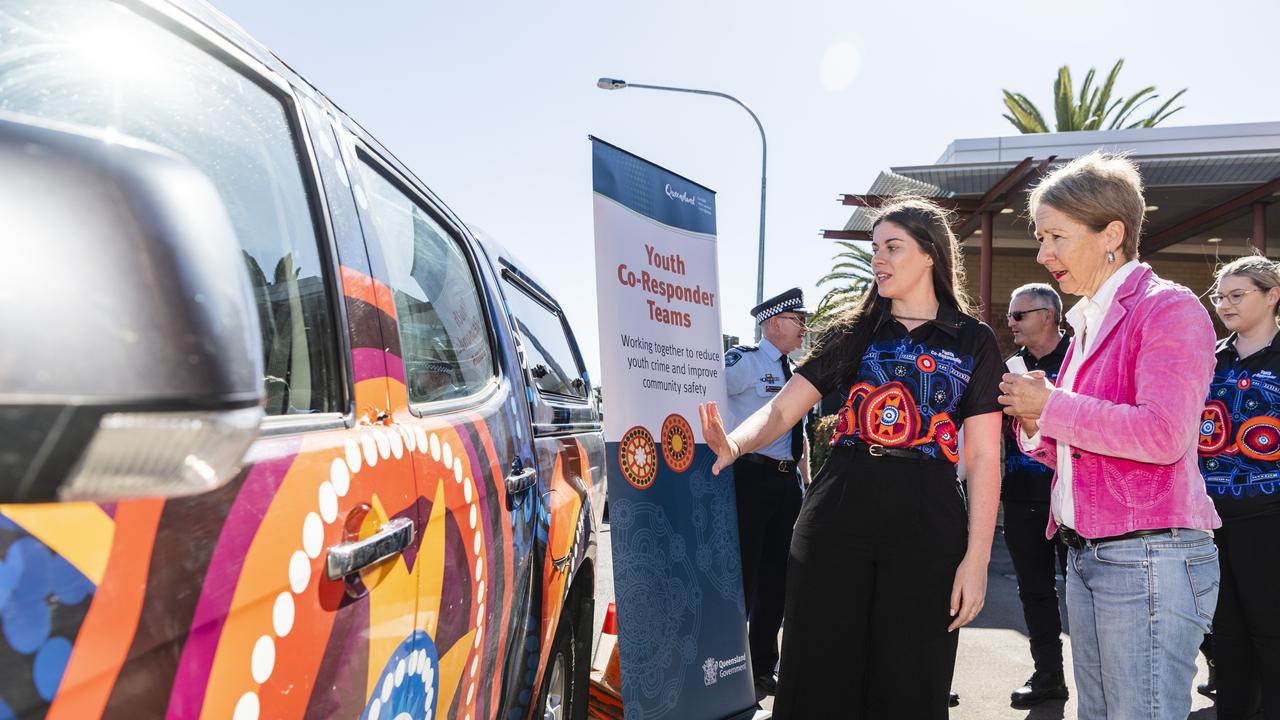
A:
(612, 84)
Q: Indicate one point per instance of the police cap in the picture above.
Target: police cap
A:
(789, 301)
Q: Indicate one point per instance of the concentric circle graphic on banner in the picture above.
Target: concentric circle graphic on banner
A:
(638, 457)
(677, 442)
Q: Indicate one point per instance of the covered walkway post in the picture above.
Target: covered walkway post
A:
(1260, 227)
(984, 265)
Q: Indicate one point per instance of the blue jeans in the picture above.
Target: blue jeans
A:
(1138, 610)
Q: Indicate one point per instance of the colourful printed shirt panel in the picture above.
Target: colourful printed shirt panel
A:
(1240, 432)
(905, 397)
(909, 389)
(1027, 479)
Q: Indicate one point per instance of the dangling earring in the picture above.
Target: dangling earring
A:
(1111, 256)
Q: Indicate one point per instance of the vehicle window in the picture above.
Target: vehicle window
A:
(95, 63)
(548, 355)
(443, 336)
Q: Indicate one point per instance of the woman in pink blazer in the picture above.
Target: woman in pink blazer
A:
(1121, 428)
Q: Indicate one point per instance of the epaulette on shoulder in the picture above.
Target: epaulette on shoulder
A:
(734, 354)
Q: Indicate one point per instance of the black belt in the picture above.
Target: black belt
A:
(1075, 541)
(782, 466)
(882, 451)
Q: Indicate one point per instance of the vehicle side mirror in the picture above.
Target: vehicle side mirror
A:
(130, 354)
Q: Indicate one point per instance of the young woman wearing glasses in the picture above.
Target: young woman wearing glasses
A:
(1240, 461)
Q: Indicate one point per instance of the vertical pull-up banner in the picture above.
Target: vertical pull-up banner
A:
(682, 631)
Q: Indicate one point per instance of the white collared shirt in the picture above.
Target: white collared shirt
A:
(1085, 319)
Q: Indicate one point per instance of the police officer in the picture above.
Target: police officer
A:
(1035, 313)
(768, 481)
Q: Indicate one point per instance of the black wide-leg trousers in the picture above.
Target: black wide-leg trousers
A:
(1246, 625)
(873, 562)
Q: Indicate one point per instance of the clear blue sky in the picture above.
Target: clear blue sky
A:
(491, 103)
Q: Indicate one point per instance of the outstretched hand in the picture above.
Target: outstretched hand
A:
(717, 439)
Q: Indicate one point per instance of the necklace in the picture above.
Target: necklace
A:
(908, 317)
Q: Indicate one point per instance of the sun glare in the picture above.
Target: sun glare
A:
(840, 66)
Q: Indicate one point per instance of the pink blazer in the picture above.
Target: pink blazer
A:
(1133, 419)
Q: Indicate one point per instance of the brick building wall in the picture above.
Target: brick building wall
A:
(1013, 268)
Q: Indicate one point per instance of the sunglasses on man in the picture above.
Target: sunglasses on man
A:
(1017, 315)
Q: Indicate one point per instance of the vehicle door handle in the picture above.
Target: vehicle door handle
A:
(351, 557)
(521, 480)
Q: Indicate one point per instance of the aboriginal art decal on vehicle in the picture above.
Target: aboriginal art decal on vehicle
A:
(1240, 434)
(219, 606)
(904, 398)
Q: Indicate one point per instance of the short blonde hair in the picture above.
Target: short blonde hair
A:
(1095, 190)
(1263, 273)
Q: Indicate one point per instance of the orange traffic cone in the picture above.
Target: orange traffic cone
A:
(605, 700)
(607, 650)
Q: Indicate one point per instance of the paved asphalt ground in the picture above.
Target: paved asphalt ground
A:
(993, 658)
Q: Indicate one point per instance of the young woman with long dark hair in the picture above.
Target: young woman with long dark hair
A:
(886, 559)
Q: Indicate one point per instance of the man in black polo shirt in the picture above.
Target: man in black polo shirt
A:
(1035, 313)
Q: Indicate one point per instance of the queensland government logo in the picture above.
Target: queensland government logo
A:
(714, 670)
(709, 671)
(680, 195)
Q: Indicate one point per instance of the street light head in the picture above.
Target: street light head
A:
(610, 84)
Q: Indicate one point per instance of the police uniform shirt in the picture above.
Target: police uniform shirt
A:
(753, 375)
(1025, 479)
(1240, 432)
(914, 389)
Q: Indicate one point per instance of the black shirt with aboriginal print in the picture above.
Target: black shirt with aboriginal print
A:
(912, 389)
(1240, 432)
(1025, 479)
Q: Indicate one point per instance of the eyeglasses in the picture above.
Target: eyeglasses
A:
(795, 319)
(1017, 315)
(1234, 297)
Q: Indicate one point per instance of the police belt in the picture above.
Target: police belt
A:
(782, 466)
(1075, 541)
(881, 451)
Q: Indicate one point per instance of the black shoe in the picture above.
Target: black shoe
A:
(1042, 685)
(954, 699)
(1209, 688)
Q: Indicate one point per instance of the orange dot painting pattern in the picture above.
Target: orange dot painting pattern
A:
(638, 457)
(926, 363)
(1215, 428)
(1260, 438)
(677, 443)
(888, 416)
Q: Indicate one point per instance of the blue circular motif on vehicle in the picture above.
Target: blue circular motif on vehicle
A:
(409, 684)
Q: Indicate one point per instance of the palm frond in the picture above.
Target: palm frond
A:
(1062, 99)
(1132, 103)
(1023, 114)
(1163, 112)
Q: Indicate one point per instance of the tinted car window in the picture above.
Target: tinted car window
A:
(444, 339)
(95, 63)
(549, 356)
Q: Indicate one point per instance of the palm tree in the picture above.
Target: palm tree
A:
(853, 273)
(1094, 110)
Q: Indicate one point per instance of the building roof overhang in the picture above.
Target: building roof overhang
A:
(1197, 178)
